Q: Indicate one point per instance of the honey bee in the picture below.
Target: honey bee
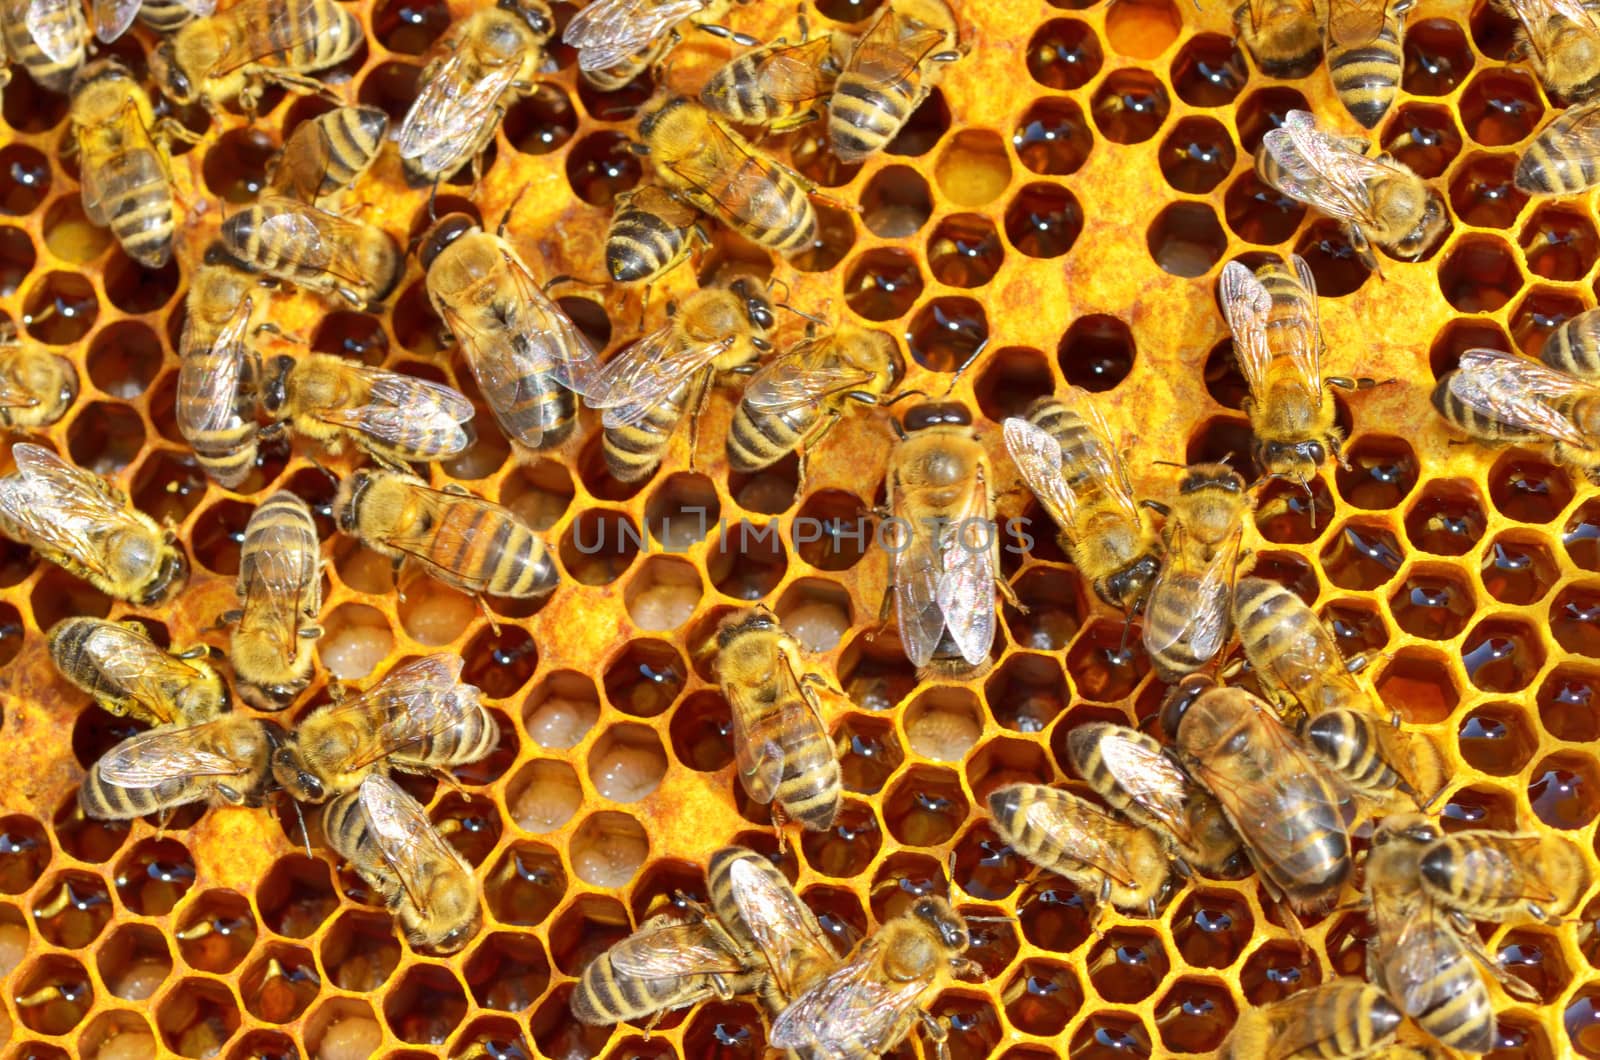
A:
(943, 543)
(419, 718)
(237, 53)
(478, 66)
(386, 837)
(1211, 503)
(1278, 798)
(779, 86)
(868, 1005)
(652, 232)
(1503, 877)
(1574, 347)
(1293, 655)
(1562, 40)
(1561, 159)
(1379, 200)
(759, 909)
(461, 539)
(280, 597)
(1277, 342)
(895, 63)
(1503, 398)
(780, 732)
(1364, 56)
(796, 399)
(123, 163)
(36, 386)
(617, 39)
(720, 173)
(1284, 36)
(1187, 619)
(223, 761)
(524, 351)
(325, 155)
(1134, 775)
(120, 666)
(671, 962)
(113, 17)
(299, 244)
(1065, 454)
(1340, 1020)
(86, 526)
(49, 38)
(216, 403)
(1110, 861)
(1422, 961)
(391, 417)
(646, 389)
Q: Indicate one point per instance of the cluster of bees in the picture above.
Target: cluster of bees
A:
(1240, 780)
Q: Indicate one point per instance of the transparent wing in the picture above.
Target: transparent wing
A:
(856, 1003)
(1093, 837)
(1354, 23)
(1246, 306)
(965, 593)
(806, 375)
(56, 26)
(1419, 965)
(404, 835)
(434, 536)
(798, 73)
(287, 27)
(918, 569)
(198, 8)
(104, 180)
(412, 703)
(759, 758)
(448, 115)
(300, 167)
(1322, 170)
(1099, 465)
(1038, 457)
(667, 949)
(725, 172)
(644, 374)
(153, 758)
(1305, 352)
(891, 48)
(1207, 592)
(1512, 860)
(548, 337)
(209, 380)
(113, 17)
(1149, 777)
(610, 31)
(276, 580)
(137, 665)
(1572, 138)
(778, 921)
(58, 505)
(1519, 393)
(402, 406)
(317, 236)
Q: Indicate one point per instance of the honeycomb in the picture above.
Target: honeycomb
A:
(1062, 204)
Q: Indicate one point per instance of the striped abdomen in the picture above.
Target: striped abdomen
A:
(1347, 741)
(1292, 320)
(1177, 644)
(1575, 346)
(1340, 1019)
(281, 539)
(353, 135)
(105, 801)
(809, 787)
(299, 35)
(762, 202)
(164, 16)
(215, 419)
(641, 245)
(1310, 856)
(1367, 76)
(1469, 420)
(1285, 641)
(1487, 880)
(138, 203)
(758, 440)
(1458, 1014)
(634, 452)
(532, 408)
(71, 23)
(485, 548)
(347, 832)
(607, 996)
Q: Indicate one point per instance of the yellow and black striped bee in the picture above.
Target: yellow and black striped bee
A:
(225, 761)
(325, 155)
(1339, 1020)
(1564, 159)
(50, 38)
(652, 232)
(794, 400)
(418, 718)
(780, 708)
(124, 169)
(113, 17)
(1574, 347)
(1189, 617)
(647, 389)
(236, 53)
(311, 248)
(459, 538)
(216, 408)
(1503, 398)
(1504, 877)
(85, 525)
(280, 598)
(1364, 54)
(618, 39)
(524, 351)
(759, 910)
(1561, 38)
(778, 86)
(1284, 36)
(702, 159)
(386, 836)
(890, 70)
(36, 386)
(122, 668)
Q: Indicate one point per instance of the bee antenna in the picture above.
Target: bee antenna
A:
(433, 194)
(950, 876)
(819, 321)
(305, 836)
(1311, 500)
(1168, 463)
(901, 397)
(973, 356)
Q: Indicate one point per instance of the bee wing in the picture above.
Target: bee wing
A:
(965, 592)
(1097, 838)
(917, 569)
(404, 835)
(1038, 457)
(102, 184)
(669, 950)
(1534, 14)
(286, 29)
(153, 758)
(708, 171)
(1320, 169)
(198, 8)
(1519, 393)
(113, 17)
(1512, 862)
(550, 340)
(610, 31)
(1150, 779)
(414, 702)
(1102, 464)
(209, 380)
(15, 397)
(298, 171)
(1258, 808)
(276, 576)
(778, 921)
(760, 761)
(856, 1003)
(1246, 306)
(450, 111)
(1422, 951)
(57, 504)
(1573, 137)
(1354, 23)
(402, 405)
(799, 73)
(137, 665)
(891, 48)
(641, 376)
(803, 376)
(54, 26)
(1205, 627)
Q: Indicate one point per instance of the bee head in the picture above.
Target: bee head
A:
(937, 914)
(1180, 699)
(649, 121)
(300, 784)
(440, 234)
(1211, 476)
(1296, 461)
(534, 13)
(757, 302)
(1417, 241)
(276, 389)
(1411, 828)
(757, 618)
(1130, 585)
(938, 414)
(348, 501)
(108, 69)
(170, 573)
(168, 74)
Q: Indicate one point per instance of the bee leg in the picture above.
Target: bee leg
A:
(937, 1033)
(1510, 983)
(288, 80)
(169, 129)
(744, 40)
(443, 776)
(224, 620)
(483, 608)
(779, 820)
